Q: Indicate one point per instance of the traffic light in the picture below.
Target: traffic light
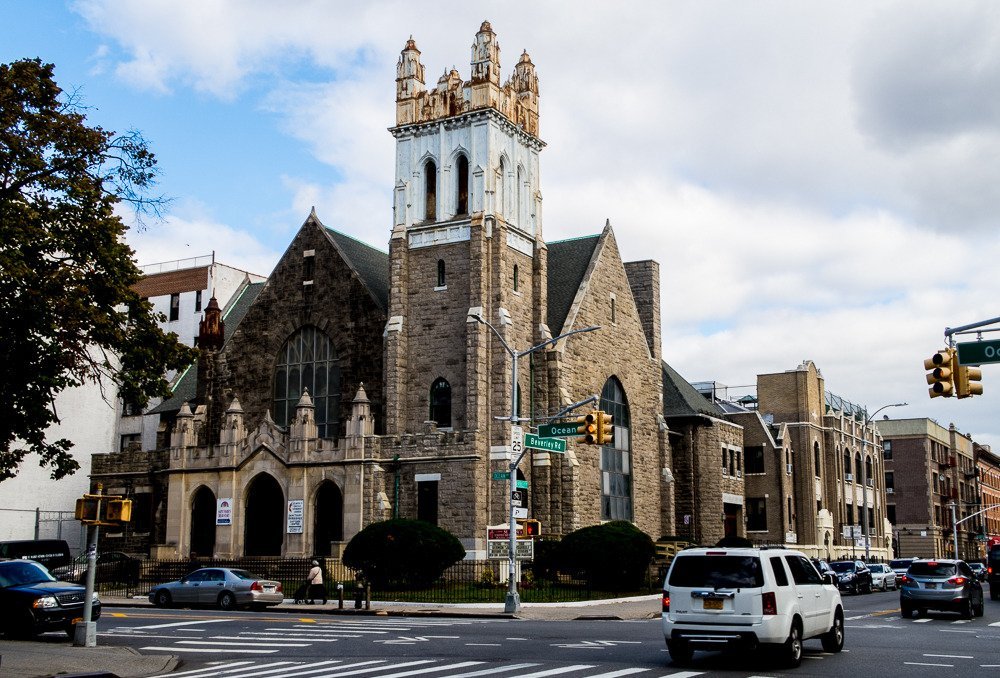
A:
(967, 381)
(532, 528)
(941, 366)
(605, 432)
(119, 510)
(86, 509)
(587, 428)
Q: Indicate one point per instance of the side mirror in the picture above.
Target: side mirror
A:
(830, 578)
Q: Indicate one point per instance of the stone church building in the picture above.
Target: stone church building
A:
(354, 385)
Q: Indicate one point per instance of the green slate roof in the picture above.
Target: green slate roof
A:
(681, 399)
(568, 261)
(371, 265)
(187, 386)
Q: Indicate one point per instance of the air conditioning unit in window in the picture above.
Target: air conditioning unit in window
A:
(739, 474)
(849, 477)
(871, 482)
(889, 490)
(788, 469)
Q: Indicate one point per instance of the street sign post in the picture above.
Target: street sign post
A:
(979, 352)
(547, 444)
(557, 430)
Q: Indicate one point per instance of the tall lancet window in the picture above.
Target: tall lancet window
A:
(462, 204)
(430, 195)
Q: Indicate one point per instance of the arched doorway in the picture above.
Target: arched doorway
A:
(203, 523)
(329, 523)
(265, 517)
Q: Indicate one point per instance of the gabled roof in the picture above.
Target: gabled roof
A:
(681, 399)
(567, 263)
(371, 265)
(187, 385)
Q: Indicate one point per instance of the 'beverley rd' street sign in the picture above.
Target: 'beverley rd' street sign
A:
(979, 352)
(547, 444)
(557, 430)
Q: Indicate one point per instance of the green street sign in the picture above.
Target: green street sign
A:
(979, 352)
(521, 484)
(547, 444)
(501, 475)
(557, 430)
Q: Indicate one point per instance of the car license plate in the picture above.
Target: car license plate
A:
(269, 589)
(931, 585)
(713, 603)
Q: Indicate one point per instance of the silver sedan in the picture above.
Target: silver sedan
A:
(224, 587)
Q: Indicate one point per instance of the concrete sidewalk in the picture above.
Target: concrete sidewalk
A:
(53, 654)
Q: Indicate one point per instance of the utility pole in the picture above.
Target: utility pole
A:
(513, 601)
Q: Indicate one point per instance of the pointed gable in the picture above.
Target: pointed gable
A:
(568, 261)
(681, 399)
(370, 264)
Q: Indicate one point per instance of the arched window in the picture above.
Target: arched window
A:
(847, 462)
(440, 410)
(519, 214)
(868, 469)
(515, 277)
(441, 278)
(430, 195)
(462, 167)
(816, 459)
(501, 177)
(307, 361)
(857, 468)
(616, 458)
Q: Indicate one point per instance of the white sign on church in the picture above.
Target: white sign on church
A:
(224, 511)
(295, 509)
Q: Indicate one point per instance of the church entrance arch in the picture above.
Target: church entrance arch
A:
(203, 523)
(265, 517)
(329, 523)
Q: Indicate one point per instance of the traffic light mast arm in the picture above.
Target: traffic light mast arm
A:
(949, 332)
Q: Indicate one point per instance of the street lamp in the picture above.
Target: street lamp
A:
(513, 601)
(955, 522)
(864, 474)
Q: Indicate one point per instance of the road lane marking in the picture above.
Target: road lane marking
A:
(174, 648)
(615, 674)
(431, 669)
(921, 621)
(310, 668)
(240, 644)
(949, 656)
(493, 671)
(927, 664)
(555, 672)
(218, 667)
(483, 644)
(692, 674)
(187, 623)
(256, 640)
(241, 668)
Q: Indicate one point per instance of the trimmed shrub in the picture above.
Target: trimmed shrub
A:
(614, 555)
(402, 553)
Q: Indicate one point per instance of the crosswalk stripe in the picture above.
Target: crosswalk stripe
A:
(620, 672)
(920, 621)
(308, 669)
(174, 648)
(254, 638)
(300, 670)
(312, 628)
(186, 623)
(493, 670)
(239, 644)
(233, 665)
(557, 671)
(430, 669)
(339, 674)
(692, 674)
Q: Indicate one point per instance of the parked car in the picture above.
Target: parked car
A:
(853, 576)
(940, 585)
(979, 569)
(224, 587)
(744, 598)
(883, 577)
(900, 566)
(111, 567)
(49, 552)
(993, 572)
(33, 601)
(825, 570)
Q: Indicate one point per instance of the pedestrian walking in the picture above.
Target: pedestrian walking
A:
(317, 589)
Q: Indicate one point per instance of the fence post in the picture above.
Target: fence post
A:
(38, 520)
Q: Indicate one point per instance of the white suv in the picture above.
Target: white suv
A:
(716, 598)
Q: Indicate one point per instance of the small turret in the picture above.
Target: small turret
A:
(212, 328)
(409, 72)
(486, 56)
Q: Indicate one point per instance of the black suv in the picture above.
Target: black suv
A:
(33, 601)
(853, 576)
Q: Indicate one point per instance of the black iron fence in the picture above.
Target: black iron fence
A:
(468, 581)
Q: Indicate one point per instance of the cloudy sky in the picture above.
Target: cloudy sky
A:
(817, 181)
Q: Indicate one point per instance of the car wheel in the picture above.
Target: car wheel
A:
(868, 586)
(23, 628)
(680, 651)
(833, 640)
(966, 609)
(905, 610)
(162, 598)
(227, 601)
(885, 585)
(921, 611)
(792, 649)
(980, 610)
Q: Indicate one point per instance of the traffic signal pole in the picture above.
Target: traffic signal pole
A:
(85, 632)
(513, 601)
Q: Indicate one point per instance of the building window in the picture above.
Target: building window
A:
(817, 461)
(754, 459)
(616, 465)
(308, 265)
(430, 193)
(614, 315)
(890, 513)
(515, 277)
(857, 468)
(501, 176)
(756, 514)
(850, 514)
(725, 461)
(887, 450)
(441, 277)
(307, 362)
(175, 306)
(791, 516)
(890, 482)
(868, 470)
(197, 301)
(519, 214)
(130, 408)
(462, 204)
(427, 501)
(130, 441)
(440, 410)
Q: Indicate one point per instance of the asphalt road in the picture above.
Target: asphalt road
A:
(270, 645)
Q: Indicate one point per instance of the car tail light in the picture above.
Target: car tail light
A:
(256, 586)
(770, 604)
(958, 581)
(666, 601)
(989, 570)
(278, 587)
(905, 580)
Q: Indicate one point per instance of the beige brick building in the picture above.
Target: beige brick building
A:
(356, 385)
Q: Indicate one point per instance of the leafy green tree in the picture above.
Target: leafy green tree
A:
(401, 552)
(615, 555)
(68, 313)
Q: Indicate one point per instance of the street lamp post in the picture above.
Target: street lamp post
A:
(513, 601)
(955, 522)
(864, 475)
